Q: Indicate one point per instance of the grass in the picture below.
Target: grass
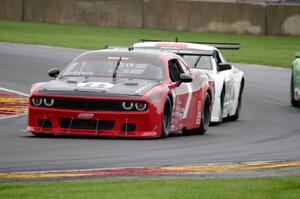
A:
(258, 188)
(267, 50)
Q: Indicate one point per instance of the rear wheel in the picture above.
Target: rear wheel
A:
(167, 118)
(205, 116)
(293, 101)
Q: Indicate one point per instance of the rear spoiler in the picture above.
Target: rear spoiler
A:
(180, 51)
(177, 51)
(116, 47)
(221, 46)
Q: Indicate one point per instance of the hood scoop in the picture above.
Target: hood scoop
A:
(72, 81)
(131, 83)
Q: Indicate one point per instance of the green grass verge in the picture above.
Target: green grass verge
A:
(259, 188)
(267, 50)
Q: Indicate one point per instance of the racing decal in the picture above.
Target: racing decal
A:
(95, 85)
(199, 112)
(85, 115)
(174, 112)
(188, 102)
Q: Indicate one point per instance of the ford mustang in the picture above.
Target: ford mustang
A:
(122, 93)
(229, 81)
(295, 81)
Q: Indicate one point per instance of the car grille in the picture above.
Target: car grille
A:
(86, 124)
(84, 104)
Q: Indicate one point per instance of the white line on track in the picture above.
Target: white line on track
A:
(11, 116)
(13, 91)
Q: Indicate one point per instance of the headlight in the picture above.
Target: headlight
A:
(140, 106)
(127, 105)
(48, 101)
(36, 101)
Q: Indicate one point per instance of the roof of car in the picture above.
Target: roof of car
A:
(123, 52)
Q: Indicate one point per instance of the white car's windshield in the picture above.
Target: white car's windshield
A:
(120, 67)
(200, 62)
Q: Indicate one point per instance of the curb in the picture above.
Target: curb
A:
(167, 170)
(12, 104)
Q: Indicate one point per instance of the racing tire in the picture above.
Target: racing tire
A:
(167, 118)
(236, 116)
(294, 102)
(221, 106)
(205, 115)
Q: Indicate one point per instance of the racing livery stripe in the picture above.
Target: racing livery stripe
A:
(188, 102)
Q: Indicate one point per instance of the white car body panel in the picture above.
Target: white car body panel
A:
(231, 78)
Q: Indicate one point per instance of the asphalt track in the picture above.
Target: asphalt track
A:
(268, 130)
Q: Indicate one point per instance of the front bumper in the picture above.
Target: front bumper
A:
(102, 123)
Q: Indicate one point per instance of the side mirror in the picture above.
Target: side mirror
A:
(54, 72)
(185, 78)
(224, 66)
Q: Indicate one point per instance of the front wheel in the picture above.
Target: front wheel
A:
(206, 115)
(167, 118)
(293, 101)
(221, 106)
(236, 116)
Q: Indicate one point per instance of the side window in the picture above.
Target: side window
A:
(175, 70)
(184, 66)
(218, 59)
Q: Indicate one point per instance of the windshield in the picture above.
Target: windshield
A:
(200, 62)
(118, 67)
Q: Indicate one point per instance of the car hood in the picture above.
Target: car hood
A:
(80, 86)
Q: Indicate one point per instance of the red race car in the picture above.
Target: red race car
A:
(123, 93)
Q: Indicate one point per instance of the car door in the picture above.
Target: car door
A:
(182, 95)
(229, 87)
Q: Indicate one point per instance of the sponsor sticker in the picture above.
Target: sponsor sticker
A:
(85, 115)
(95, 85)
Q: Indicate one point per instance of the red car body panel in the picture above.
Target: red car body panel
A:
(187, 101)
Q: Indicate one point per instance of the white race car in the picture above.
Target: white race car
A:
(229, 81)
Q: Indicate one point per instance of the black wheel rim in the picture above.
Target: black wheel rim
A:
(166, 119)
(206, 114)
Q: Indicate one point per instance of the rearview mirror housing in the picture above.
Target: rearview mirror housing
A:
(185, 78)
(224, 66)
(54, 72)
